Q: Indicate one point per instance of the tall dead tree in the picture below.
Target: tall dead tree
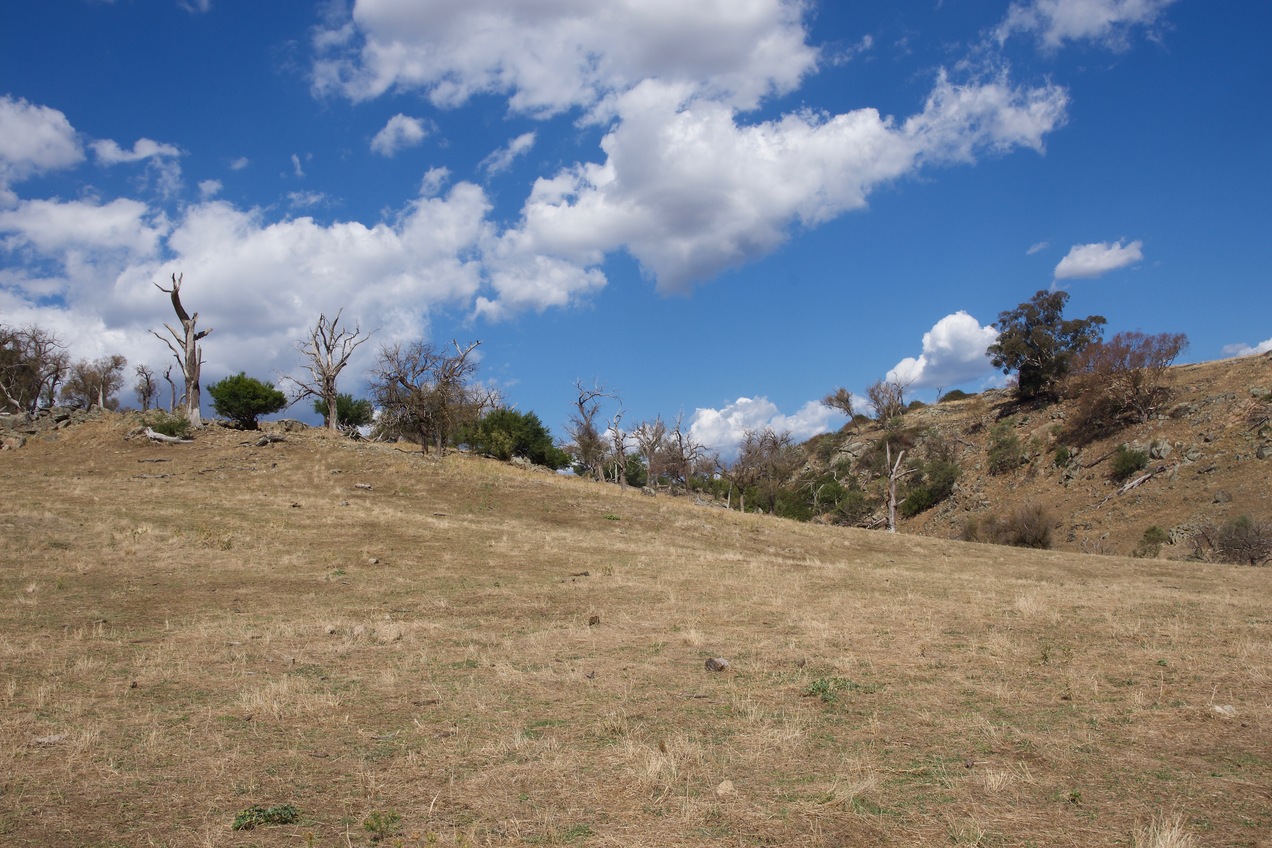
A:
(589, 445)
(187, 350)
(326, 353)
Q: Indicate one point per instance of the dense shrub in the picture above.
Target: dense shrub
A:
(350, 412)
(954, 394)
(1150, 544)
(1005, 451)
(1062, 456)
(505, 433)
(1027, 526)
(935, 484)
(168, 425)
(1126, 462)
(243, 399)
(1245, 541)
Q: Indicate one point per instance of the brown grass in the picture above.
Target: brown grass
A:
(253, 629)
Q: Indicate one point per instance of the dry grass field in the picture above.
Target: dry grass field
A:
(413, 652)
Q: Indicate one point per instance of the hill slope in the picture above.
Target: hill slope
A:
(464, 653)
(1210, 446)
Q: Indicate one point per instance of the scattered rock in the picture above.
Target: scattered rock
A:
(366, 487)
(725, 789)
(716, 664)
(1160, 449)
(1260, 392)
(12, 442)
(331, 630)
(291, 425)
(1224, 710)
(1263, 451)
(58, 738)
(1222, 497)
(593, 620)
(373, 561)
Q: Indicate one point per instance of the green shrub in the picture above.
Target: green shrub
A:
(1005, 451)
(504, 433)
(168, 425)
(243, 399)
(954, 394)
(255, 816)
(350, 411)
(1062, 456)
(1150, 544)
(1127, 461)
(935, 485)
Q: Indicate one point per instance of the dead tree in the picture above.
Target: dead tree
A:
(427, 394)
(172, 390)
(649, 437)
(145, 387)
(589, 444)
(894, 474)
(326, 353)
(187, 350)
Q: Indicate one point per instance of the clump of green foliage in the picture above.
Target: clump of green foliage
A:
(256, 815)
(934, 483)
(243, 399)
(166, 424)
(382, 825)
(504, 433)
(1127, 461)
(1027, 526)
(1150, 544)
(1005, 451)
(954, 394)
(1063, 456)
(1038, 343)
(350, 411)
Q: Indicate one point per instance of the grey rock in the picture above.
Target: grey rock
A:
(1160, 449)
(1222, 497)
(1260, 392)
(1264, 451)
(716, 664)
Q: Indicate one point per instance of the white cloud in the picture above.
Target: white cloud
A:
(502, 159)
(240, 163)
(33, 139)
(1054, 22)
(691, 192)
(722, 430)
(554, 55)
(296, 167)
(1084, 261)
(109, 152)
(53, 226)
(1037, 247)
(953, 353)
(1243, 349)
(195, 7)
(400, 132)
(210, 188)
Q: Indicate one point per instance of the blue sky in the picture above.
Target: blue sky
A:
(721, 209)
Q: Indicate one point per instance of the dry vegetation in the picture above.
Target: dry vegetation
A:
(470, 654)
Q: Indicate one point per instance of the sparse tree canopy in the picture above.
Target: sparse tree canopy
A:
(325, 353)
(1037, 343)
(588, 443)
(33, 363)
(243, 399)
(95, 383)
(187, 351)
(1129, 370)
(888, 398)
(426, 393)
(840, 399)
(145, 387)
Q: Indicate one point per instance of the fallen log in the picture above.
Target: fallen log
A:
(167, 440)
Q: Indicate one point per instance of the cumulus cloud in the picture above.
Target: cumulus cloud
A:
(33, 139)
(240, 163)
(502, 159)
(721, 430)
(1243, 349)
(210, 188)
(109, 152)
(1084, 261)
(400, 132)
(953, 353)
(1106, 22)
(554, 55)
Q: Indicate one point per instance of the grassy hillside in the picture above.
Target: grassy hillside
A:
(1209, 446)
(465, 653)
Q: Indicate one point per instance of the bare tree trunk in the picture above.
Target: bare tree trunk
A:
(188, 352)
